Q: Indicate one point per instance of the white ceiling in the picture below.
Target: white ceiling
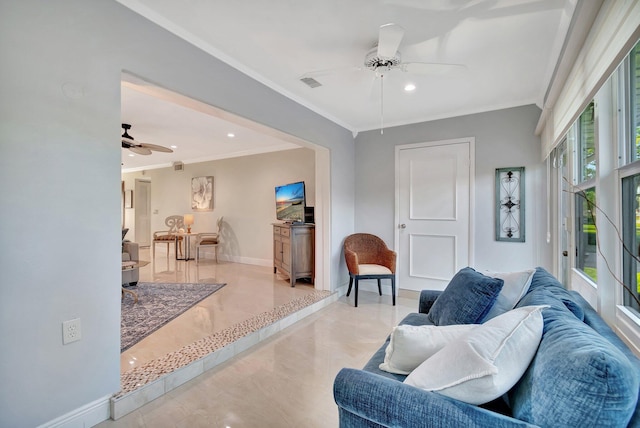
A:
(509, 49)
(197, 131)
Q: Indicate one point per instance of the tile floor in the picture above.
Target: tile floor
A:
(250, 290)
(285, 381)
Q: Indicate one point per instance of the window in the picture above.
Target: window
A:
(586, 239)
(631, 185)
(585, 193)
(631, 235)
(634, 101)
(586, 144)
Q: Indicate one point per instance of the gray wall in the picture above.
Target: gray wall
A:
(504, 138)
(60, 217)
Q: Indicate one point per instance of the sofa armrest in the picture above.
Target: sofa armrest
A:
(132, 249)
(427, 297)
(366, 399)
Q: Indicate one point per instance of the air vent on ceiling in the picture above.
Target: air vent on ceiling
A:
(310, 82)
(178, 166)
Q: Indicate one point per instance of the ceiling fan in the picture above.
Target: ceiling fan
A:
(384, 58)
(140, 148)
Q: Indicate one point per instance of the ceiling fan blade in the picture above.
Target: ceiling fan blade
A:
(432, 68)
(155, 148)
(389, 39)
(140, 150)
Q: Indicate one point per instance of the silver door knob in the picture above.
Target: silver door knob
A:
(402, 226)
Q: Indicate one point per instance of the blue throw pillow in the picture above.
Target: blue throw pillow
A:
(467, 299)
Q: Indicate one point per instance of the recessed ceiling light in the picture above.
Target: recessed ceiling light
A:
(409, 87)
(174, 147)
(231, 135)
(131, 155)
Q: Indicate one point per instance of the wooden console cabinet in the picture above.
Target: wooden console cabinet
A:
(293, 250)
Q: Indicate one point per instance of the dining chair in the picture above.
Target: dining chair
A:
(208, 239)
(170, 236)
(368, 257)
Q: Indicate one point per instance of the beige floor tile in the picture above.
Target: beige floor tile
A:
(284, 381)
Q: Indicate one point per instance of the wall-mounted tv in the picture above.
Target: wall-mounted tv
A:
(290, 202)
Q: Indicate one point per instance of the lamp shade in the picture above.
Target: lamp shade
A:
(188, 219)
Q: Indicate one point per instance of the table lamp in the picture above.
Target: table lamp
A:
(188, 221)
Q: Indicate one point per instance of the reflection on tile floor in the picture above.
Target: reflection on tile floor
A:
(154, 369)
(283, 381)
(251, 290)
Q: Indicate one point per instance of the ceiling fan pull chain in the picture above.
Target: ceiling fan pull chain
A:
(382, 104)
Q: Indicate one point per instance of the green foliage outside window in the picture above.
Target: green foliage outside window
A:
(586, 241)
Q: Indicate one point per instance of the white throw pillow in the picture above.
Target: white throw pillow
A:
(516, 285)
(487, 361)
(410, 345)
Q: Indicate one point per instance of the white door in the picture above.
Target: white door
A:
(434, 212)
(142, 205)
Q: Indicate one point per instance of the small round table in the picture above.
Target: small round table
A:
(128, 265)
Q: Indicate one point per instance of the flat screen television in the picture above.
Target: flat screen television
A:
(290, 202)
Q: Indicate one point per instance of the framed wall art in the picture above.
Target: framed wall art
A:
(202, 193)
(510, 204)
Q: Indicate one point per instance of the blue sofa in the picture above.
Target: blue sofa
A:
(582, 375)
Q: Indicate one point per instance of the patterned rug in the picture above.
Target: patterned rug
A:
(158, 303)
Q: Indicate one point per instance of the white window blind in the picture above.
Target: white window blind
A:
(613, 34)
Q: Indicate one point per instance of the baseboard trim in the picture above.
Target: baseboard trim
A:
(245, 260)
(86, 416)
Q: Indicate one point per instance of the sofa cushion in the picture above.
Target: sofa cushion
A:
(410, 345)
(577, 377)
(467, 299)
(543, 279)
(516, 284)
(485, 362)
(371, 269)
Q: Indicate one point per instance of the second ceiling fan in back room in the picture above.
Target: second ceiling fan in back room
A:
(385, 58)
(140, 148)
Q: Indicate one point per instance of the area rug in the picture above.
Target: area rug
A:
(158, 303)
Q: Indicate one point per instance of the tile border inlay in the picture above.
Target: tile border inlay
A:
(144, 384)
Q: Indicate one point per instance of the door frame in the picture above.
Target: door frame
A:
(472, 194)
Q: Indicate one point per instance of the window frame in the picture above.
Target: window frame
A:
(574, 135)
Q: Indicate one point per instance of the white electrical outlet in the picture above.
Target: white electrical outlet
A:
(71, 331)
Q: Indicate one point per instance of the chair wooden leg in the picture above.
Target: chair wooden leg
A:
(379, 287)
(356, 305)
(350, 284)
(393, 289)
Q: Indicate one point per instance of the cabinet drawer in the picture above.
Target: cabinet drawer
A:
(276, 230)
(284, 231)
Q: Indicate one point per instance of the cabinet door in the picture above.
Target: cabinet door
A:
(277, 251)
(286, 254)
